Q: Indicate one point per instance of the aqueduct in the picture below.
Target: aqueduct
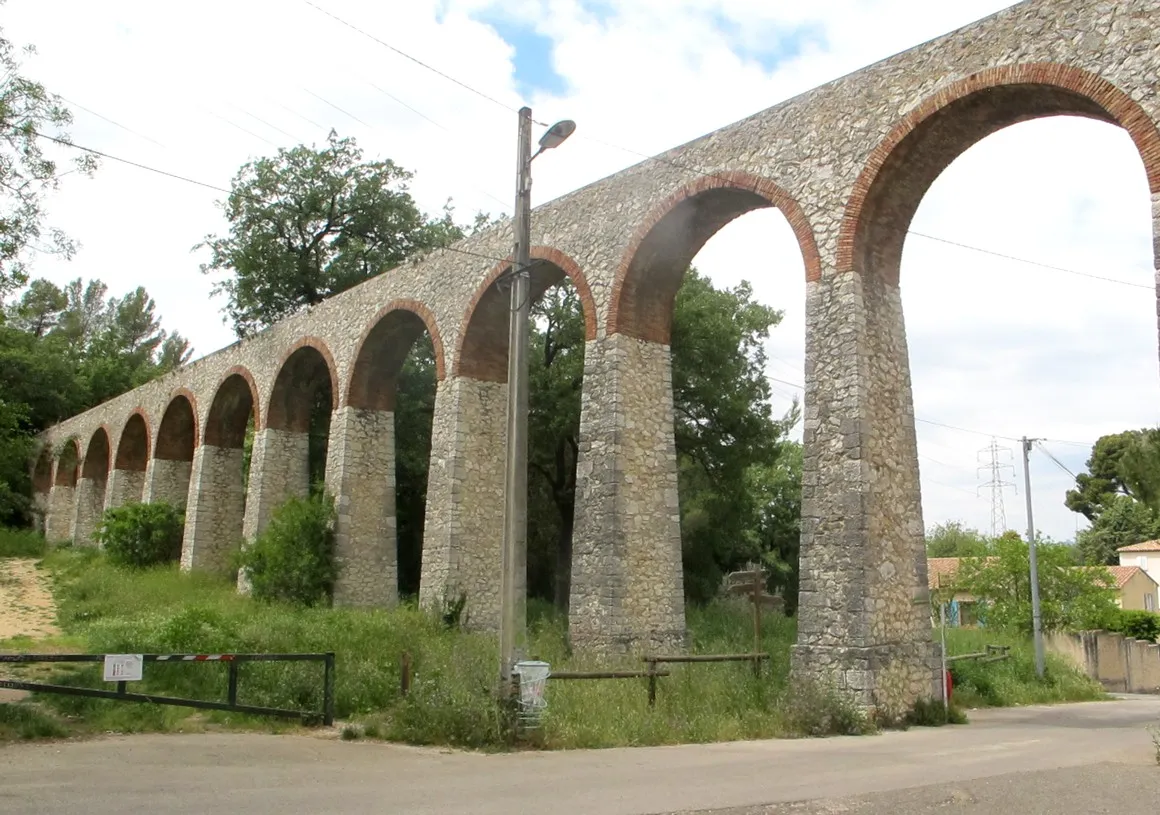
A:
(847, 163)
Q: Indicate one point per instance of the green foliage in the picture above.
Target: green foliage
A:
(141, 535)
(1122, 522)
(1102, 480)
(952, 539)
(727, 441)
(1070, 598)
(414, 413)
(1139, 468)
(28, 721)
(21, 543)
(292, 561)
(107, 609)
(26, 173)
(310, 223)
(1013, 681)
(1139, 625)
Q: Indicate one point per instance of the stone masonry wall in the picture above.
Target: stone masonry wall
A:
(90, 503)
(463, 533)
(167, 481)
(58, 521)
(125, 487)
(360, 474)
(216, 509)
(627, 579)
(828, 150)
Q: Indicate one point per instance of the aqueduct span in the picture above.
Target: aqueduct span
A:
(847, 163)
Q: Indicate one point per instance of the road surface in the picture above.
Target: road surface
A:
(1095, 757)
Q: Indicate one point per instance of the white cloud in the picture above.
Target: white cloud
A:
(996, 346)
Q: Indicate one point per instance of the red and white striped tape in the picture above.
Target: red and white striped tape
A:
(196, 657)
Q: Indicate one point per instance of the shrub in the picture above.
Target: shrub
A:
(141, 535)
(21, 543)
(293, 560)
(1140, 625)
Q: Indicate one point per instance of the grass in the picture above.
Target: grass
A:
(104, 609)
(1012, 681)
(21, 543)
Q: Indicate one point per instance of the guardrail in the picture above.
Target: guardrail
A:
(125, 668)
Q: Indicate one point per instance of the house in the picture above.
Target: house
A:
(1145, 555)
(1135, 589)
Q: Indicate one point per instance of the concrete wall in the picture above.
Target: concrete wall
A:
(1119, 664)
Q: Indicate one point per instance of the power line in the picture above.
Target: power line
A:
(1030, 262)
(1048, 453)
(416, 60)
(111, 121)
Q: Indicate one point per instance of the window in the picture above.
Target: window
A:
(1149, 602)
(1142, 561)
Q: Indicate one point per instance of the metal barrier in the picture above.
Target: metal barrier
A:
(125, 668)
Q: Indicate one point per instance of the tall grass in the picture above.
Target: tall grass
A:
(21, 543)
(1012, 681)
(452, 696)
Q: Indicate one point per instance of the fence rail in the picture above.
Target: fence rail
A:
(233, 662)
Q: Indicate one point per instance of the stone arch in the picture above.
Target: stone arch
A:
(98, 455)
(177, 435)
(305, 363)
(234, 402)
(665, 243)
(482, 349)
(134, 444)
(382, 350)
(42, 471)
(68, 464)
(902, 167)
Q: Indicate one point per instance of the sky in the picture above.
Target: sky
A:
(999, 348)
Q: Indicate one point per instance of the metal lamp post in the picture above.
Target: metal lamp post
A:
(513, 616)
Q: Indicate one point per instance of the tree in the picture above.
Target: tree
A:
(1123, 522)
(952, 539)
(1102, 480)
(724, 427)
(27, 113)
(310, 223)
(1070, 597)
(1139, 467)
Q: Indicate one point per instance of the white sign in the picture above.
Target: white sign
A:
(123, 667)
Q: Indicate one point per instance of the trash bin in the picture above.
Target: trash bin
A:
(533, 680)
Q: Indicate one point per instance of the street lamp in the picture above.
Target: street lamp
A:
(514, 561)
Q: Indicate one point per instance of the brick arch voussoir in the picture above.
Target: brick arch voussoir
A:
(319, 345)
(137, 411)
(772, 192)
(58, 454)
(1121, 107)
(419, 310)
(557, 258)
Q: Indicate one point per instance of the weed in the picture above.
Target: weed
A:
(21, 543)
(28, 721)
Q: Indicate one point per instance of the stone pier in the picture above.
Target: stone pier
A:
(90, 503)
(125, 487)
(627, 583)
(463, 534)
(58, 523)
(168, 481)
(360, 474)
(216, 509)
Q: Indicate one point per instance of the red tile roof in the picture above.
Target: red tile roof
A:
(1146, 546)
(940, 572)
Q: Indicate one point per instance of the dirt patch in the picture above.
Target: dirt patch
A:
(26, 605)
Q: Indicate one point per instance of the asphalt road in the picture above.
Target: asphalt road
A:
(1086, 758)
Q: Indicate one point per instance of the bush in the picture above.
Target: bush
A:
(293, 560)
(21, 543)
(141, 535)
(1139, 625)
